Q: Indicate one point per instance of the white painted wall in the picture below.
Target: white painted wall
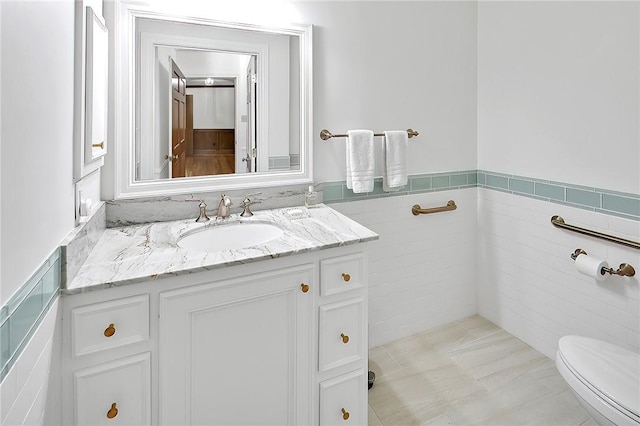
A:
(37, 45)
(399, 65)
(394, 65)
(558, 91)
(558, 99)
(37, 135)
(1, 62)
(213, 107)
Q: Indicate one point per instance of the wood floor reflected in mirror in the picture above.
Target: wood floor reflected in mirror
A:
(211, 164)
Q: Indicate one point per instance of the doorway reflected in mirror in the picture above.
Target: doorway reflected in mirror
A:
(213, 112)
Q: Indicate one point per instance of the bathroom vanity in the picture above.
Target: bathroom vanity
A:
(259, 320)
(274, 333)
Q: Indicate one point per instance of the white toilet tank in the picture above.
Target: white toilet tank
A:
(603, 375)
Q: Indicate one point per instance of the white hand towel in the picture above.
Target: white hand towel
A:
(394, 174)
(360, 160)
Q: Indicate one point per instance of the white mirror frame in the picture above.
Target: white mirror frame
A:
(96, 90)
(123, 147)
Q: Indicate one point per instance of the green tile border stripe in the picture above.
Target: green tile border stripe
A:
(337, 192)
(599, 200)
(21, 315)
(614, 203)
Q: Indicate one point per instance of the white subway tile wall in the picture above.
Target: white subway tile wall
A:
(422, 270)
(31, 388)
(529, 286)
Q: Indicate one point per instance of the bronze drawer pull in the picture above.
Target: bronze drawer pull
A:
(345, 338)
(346, 277)
(345, 414)
(304, 287)
(110, 331)
(112, 412)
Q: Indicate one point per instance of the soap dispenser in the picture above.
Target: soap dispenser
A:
(310, 198)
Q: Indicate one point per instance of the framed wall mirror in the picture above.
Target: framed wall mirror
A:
(96, 90)
(205, 105)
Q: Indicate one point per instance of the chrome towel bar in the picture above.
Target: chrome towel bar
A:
(559, 222)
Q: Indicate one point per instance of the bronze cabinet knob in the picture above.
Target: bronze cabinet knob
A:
(345, 414)
(113, 411)
(110, 331)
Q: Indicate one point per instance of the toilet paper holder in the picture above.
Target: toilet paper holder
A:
(624, 270)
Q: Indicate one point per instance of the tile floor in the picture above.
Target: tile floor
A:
(468, 372)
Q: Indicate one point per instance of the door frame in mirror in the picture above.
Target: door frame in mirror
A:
(146, 124)
(124, 184)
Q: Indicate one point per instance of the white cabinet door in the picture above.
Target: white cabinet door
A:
(341, 333)
(102, 326)
(343, 400)
(114, 393)
(238, 352)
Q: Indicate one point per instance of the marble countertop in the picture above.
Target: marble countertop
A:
(133, 254)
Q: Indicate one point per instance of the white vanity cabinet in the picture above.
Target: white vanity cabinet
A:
(275, 342)
(342, 340)
(238, 351)
(106, 360)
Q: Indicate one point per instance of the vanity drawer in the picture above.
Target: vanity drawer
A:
(341, 274)
(115, 393)
(342, 400)
(341, 333)
(109, 324)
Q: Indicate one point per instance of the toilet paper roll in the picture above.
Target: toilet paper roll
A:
(591, 266)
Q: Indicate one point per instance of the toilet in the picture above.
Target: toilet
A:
(604, 377)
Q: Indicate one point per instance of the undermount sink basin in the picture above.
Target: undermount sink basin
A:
(229, 237)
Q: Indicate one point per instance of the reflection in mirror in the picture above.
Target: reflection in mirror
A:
(215, 101)
(164, 58)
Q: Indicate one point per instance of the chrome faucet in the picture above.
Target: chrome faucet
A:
(246, 204)
(224, 211)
